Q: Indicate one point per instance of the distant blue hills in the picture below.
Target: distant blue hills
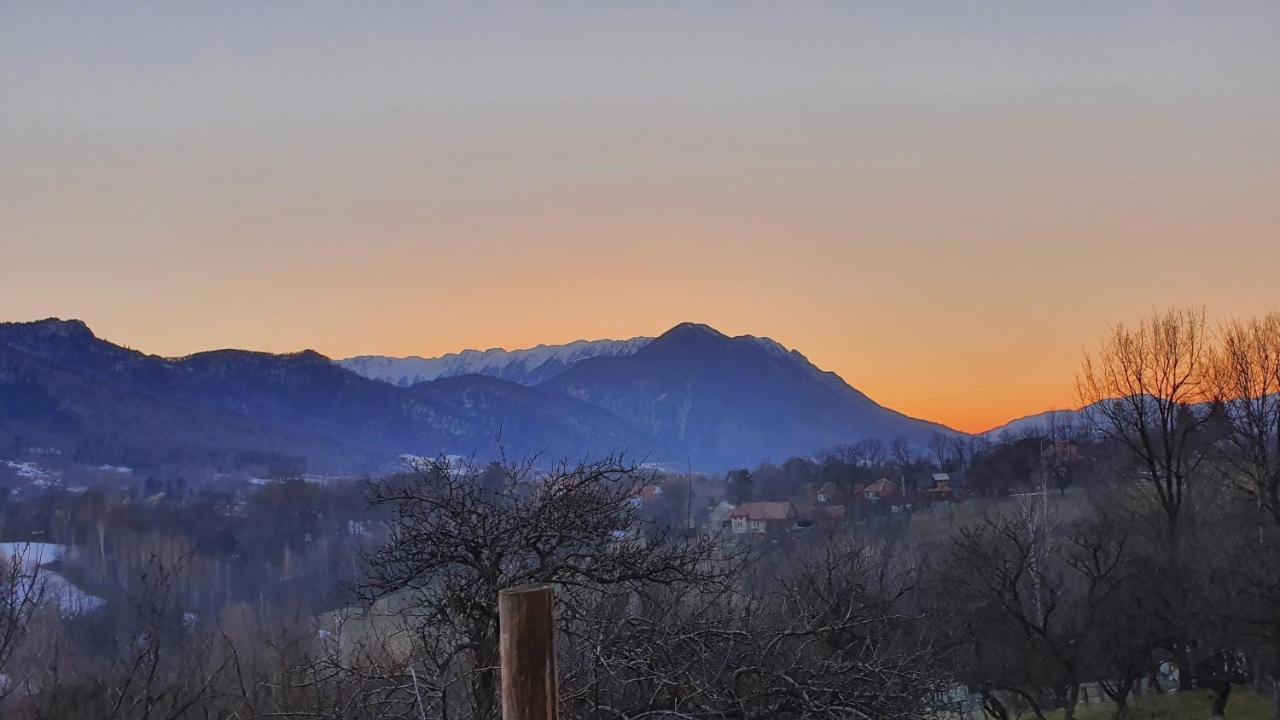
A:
(690, 396)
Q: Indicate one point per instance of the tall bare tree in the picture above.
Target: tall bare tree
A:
(1146, 388)
(1247, 385)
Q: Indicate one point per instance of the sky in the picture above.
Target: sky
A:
(945, 203)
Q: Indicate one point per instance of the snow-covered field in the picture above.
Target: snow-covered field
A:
(71, 599)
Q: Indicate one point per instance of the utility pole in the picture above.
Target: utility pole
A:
(688, 511)
(526, 649)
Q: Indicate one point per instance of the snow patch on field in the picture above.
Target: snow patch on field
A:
(32, 472)
(56, 588)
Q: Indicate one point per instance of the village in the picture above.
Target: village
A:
(865, 487)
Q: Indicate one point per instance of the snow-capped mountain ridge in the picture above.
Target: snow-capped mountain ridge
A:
(527, 366)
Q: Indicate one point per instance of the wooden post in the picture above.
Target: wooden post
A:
(527, 652)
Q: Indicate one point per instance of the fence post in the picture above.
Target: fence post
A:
(527, 654)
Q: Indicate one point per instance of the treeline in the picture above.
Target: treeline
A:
(287, 544)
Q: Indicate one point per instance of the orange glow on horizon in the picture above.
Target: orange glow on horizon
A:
(965, 406)
(944, 205)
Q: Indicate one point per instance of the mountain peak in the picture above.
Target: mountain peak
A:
(688, 335)
(691, 334)
(725, 400)
(55, 327)
(55, 337)
(311, 356)
(233, 355)
(693, 329)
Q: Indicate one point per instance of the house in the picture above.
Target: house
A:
(828, 493)
(882, 489)
(646, 496)
(762, 517)
(820, 503)
(813, 493)
(650, 494)
(940, 488)
(1058, 451)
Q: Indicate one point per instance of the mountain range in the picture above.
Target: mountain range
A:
(526, 367)
(692, 395)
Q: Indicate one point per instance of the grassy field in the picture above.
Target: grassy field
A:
(1244, 705)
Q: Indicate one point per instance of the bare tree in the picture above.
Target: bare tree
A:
(1247, 389)
(351, 669)
(1032, 601)
(833, 636)
(22, 594)
(454, 543)
(1146, 388)
(162, 666)
(941, 447)
(901, 454)
(1247, 385)
(864, 453)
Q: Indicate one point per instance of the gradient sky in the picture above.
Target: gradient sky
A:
(943, 202)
